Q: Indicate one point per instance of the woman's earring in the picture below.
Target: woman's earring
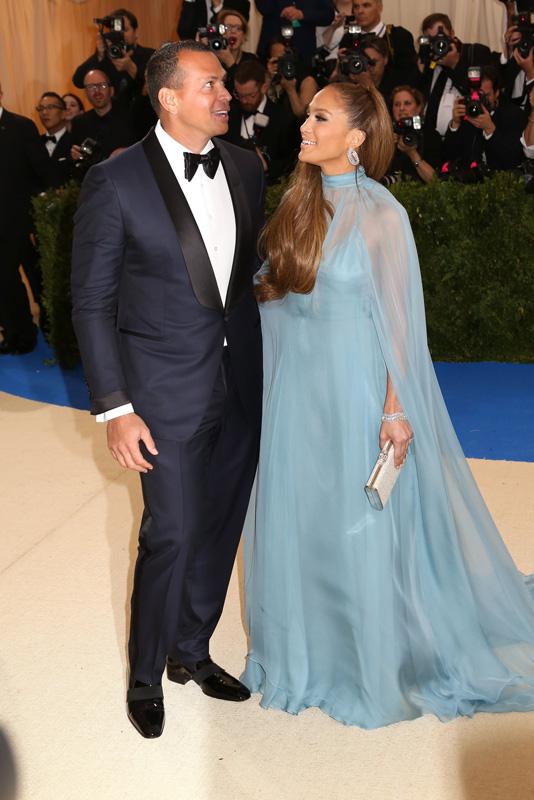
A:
(353, 156)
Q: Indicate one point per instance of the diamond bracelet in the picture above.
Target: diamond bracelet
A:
(398, 416)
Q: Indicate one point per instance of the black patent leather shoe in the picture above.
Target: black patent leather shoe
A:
(212, 679)
(146, 711)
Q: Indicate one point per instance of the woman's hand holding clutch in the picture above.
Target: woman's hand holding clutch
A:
(399, 432)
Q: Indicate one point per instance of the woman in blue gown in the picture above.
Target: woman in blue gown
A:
(372, 616)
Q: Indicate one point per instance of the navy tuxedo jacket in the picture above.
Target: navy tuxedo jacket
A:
(146, 308)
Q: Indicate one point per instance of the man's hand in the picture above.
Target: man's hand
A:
(75, 152)
(226, 57)
(124, 435)
(290, 86)
(511, 38)
(291, 13)
(458, 112)
(483, 122)
(526, 64)
(411, 149)
(125, 64)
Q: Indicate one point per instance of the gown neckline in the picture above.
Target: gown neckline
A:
(345, 179)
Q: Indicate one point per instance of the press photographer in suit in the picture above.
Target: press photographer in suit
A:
(258, 124)
(168, 326)
(485, 130)
(443, 78)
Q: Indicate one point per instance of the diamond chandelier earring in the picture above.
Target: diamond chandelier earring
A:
(353, 157)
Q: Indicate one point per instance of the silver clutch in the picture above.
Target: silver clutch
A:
(382, 478)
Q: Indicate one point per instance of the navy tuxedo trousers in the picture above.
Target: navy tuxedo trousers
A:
(195, 502)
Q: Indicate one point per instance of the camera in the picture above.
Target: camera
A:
(353, 61)
(112, 32)
(474, 99)
(433, 48)
(410, 128)
(322, 66)
(90, 153)
(215, 36)
(287, 63)
(524, 23)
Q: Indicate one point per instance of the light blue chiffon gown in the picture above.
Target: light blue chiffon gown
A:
(372, 616)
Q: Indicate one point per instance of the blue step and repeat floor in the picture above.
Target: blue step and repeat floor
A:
(491, 404)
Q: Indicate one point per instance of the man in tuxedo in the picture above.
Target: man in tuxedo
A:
(493, 136)
(445, 80)
(168, 326)
(399, 41)
(302, 15)
(25, 170)
(56, 140)
(258, 124)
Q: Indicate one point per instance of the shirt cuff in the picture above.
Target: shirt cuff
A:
(528, 149)
(487, 136)
(119, 411)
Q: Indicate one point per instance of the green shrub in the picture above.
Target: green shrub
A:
(53, 215)
(476, 248)
(475, 244)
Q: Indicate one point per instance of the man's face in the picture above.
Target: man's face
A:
(368, 13)
(376, 69)
(51, 113)
(450, 59)
(203, 101)
(235, 32)
(491, 97)
(129, 33)
(250, 95)
(98, 88)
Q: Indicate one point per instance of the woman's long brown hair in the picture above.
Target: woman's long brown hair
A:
(292, 240)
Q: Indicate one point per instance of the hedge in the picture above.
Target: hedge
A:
(475, 243)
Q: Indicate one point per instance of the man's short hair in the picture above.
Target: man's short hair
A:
(377, 43)
(437, 19)
(56, 96)
(130, 16)
(163, 68)
(491, 73)
(250, 70)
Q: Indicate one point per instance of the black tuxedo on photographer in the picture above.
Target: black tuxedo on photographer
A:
(275, 133)
(152, 322)
(502, 150)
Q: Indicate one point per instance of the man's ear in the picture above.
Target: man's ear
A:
(168, 100)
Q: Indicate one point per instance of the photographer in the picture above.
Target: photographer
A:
(399, 41)
(329, 36)
(418, 151)
(443, 77)
(484, 131)
(517, 66)
(127, 71)
(367, 63)
(295, 94)
(303, 15)
(258, 124)
(233, 55)
(106, 125)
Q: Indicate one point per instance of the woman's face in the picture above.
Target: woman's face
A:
(72, 108)
(326, 135)
(277, 51)
(235, 32)
(405, 105)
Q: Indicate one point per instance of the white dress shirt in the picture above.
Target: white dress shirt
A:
(247, 125)
(450, 93)
(211, 205)
(51, 146)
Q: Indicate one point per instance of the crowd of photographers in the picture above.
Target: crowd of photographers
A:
(459, 111)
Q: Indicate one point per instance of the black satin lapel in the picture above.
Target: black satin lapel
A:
(193, 248)
(244, 246)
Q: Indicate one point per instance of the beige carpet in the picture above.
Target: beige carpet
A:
(69, 519)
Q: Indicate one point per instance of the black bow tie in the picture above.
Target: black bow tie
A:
(209, 161)
(50, 139)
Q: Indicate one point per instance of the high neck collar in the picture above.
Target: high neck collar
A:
(345, 179)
